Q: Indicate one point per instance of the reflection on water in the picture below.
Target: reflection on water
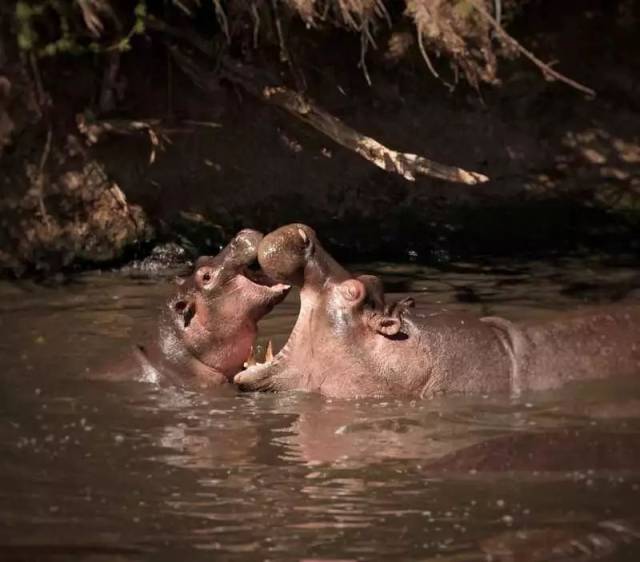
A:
(93, 470)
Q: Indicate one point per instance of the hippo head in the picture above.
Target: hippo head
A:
(340, 316)
(293, 254)
(207, 328)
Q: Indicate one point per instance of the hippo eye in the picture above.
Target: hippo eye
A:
(205, 277)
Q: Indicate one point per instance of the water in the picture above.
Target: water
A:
(99, 471)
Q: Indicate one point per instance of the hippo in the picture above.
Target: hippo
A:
(207, 327)
(348, 343)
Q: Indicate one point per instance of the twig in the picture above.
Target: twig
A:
(549, 72)
(94, 130)
(256, 25)
(427, 60)
(107, 101)
(45, 152)
(169, 86)
(42, 100)
(384, 13)
(40, 178)
(284, 53)
(206, 124)
(363, 54)
(222, 19)
(91, 18)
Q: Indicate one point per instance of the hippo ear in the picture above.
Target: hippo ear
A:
(385, 325)
(375, 291)
(389, 322)
(353, 291)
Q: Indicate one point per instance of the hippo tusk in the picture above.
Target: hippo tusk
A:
(303, 235)
(251, 359)
(268, 356)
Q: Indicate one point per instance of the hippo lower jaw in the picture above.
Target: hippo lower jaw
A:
(263, 290)
(260, 374)
(261, 287)
(264, 376)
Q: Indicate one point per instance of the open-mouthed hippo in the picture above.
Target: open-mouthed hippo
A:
(347, 343)
(207, 327)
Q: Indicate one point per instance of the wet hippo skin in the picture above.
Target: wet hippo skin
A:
(207, 327)
(348, 343)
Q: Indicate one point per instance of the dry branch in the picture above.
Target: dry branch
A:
(405, 164)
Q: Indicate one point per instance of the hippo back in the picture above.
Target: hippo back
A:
(593, 343)
(463, 353)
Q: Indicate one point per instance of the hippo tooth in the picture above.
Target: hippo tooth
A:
(251, 360)
(268, 356)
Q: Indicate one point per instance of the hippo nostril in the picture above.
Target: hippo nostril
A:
(188, 315)
(185, 309)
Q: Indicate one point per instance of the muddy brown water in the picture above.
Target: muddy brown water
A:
(92, 470)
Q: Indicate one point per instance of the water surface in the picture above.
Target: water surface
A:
(93, 470)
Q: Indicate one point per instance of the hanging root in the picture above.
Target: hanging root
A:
(548, 72)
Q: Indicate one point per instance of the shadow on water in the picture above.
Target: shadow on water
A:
(125, 471)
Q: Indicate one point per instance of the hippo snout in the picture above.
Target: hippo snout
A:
(284, 253)
(243, 249)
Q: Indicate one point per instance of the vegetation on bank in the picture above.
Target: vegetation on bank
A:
(65, 87)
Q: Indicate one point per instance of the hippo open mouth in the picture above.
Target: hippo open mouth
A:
(291, 254)
(254, 274)
(259, 285)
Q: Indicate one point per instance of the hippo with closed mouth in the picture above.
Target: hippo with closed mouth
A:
(207, 327)
(348, 343)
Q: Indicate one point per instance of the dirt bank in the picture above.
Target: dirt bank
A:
(564, 167)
